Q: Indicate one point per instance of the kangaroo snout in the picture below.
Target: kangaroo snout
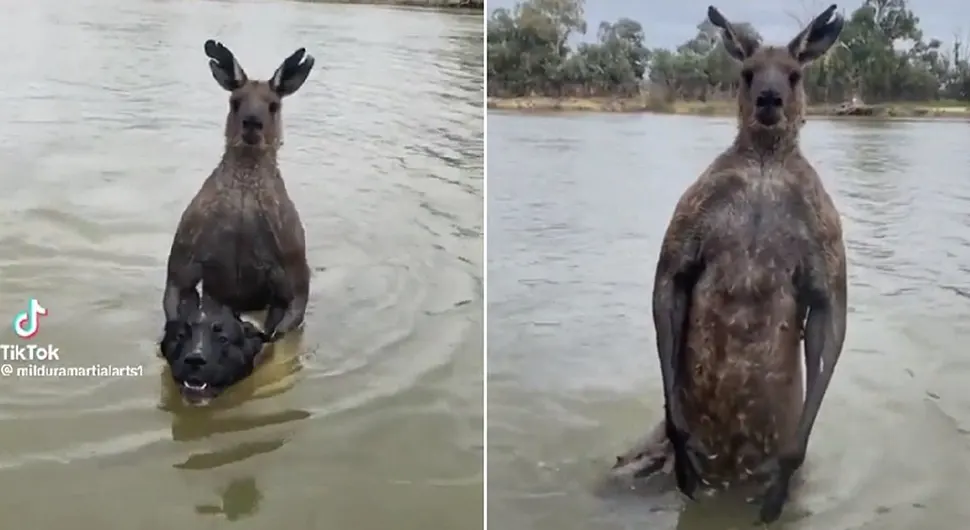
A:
(252, 129)
(769, 107)
(252, 123)
(769, 98)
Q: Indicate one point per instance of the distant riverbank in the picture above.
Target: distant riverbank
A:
(933, 109)
(438, 4)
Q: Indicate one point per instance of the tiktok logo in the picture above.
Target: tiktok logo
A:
(27, 323)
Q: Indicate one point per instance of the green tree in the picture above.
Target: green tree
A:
(528, 52)
(881, 56)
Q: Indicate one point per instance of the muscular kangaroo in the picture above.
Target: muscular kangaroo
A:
(752, 262)
(241, 235)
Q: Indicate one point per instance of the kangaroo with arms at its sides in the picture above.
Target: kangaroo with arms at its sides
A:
(752, 262)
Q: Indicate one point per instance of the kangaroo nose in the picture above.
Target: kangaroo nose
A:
(253, 123)
(768, 98)
(195, 360)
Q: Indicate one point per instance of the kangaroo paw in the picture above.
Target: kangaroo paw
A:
(649, 455)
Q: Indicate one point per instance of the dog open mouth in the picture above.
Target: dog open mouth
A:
(197, 394)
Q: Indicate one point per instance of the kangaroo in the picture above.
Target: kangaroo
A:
(241, 235)
(752, 261)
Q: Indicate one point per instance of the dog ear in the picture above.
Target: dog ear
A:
(255, 341)
(171, 341)
(250, 331)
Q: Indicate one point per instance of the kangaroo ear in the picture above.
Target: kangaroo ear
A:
(738, 45)
(290, 75)
(813, 41)
(225, 68)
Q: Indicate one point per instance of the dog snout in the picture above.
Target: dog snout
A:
(768, 98)
(252, 123)
(195, 360)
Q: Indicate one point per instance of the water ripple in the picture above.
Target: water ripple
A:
(577, 209)
(114, 131)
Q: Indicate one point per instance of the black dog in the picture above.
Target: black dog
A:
(211, 350)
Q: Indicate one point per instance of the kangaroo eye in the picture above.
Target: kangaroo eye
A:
(274, 107)
(794, 77)
(234, 104)
(747, 75)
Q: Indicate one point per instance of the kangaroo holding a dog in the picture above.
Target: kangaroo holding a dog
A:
(241, 235)
(752, 262)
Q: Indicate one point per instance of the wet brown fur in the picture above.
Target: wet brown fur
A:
(241, 235)
(754, 246)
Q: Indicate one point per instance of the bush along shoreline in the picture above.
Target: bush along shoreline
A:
(532, 66)
(728, 107)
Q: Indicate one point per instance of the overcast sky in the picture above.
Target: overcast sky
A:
(668, 24)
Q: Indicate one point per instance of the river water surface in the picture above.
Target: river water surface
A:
(577, 207)
(111, 121)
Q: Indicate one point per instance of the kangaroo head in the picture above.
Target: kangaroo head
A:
(771, 96)
(255, 106)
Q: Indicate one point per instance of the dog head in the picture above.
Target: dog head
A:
(210, 350)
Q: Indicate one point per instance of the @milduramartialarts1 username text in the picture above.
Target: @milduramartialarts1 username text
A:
(30, 352)
(95, 370)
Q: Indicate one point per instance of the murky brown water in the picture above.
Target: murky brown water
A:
(111, 121)
(577, 207)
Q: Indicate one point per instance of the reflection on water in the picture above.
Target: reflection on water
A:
(239, 499)
(577, 210)
(228, 455)
(276, 375)
(373, 417)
